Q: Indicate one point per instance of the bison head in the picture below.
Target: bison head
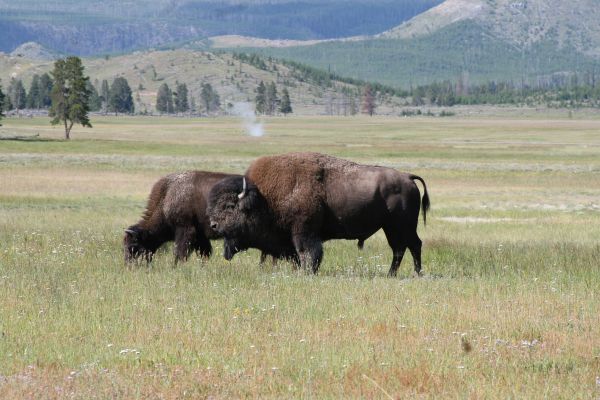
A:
(236, 210)
(133, 244)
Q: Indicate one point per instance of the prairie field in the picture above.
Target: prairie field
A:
(508, 307)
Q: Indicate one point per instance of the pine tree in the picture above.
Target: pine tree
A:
(33, 97)
(2, 99)
(206, 96)
(181, 98)
(45, 90)
(69, 94)
(210, 98)
(261, 98)
(7, 105)
(286, 105)
(164, 99)
(216, 101)
(21, 95)
(95, 102)
(192, 104)
(119, 97)
(272, 100)
(368, 100)
(353, 106)
(17, 94)
(170, 104)
(104, 95)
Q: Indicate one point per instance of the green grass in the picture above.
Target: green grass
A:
(508, 306)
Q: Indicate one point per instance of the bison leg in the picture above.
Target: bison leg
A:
(263, 258)
(295, 259)
(397, 259)
(148, 255)
(184, 239)
(415, 249)
(310, 251)
(203, 246)
(398, 246)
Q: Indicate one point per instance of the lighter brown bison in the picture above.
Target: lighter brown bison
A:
(294, 202)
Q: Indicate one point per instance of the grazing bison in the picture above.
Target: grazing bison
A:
(176, 210)
(294, 202)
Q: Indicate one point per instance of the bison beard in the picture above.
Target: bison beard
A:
(292, 203)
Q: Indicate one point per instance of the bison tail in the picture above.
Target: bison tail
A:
(425, 203)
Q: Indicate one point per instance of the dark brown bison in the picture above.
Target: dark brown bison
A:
(176, 210)
(294, 202)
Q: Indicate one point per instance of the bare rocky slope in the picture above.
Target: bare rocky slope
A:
(523, 23)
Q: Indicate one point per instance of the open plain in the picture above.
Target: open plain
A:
(509, 305)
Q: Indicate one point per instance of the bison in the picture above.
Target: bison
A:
(176, 210)
(294, 202)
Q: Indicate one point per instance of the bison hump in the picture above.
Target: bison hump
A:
(292, 184)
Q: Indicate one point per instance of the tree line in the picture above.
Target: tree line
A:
(17, 98)
(268, 102)
(181, 101)
(67, 93)
(558, 90)
(571, 92)
(114, 98)
(69, 96)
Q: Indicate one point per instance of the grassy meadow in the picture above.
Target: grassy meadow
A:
(509, 306)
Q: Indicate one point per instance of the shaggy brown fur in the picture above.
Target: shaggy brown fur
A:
(292, 184)
(176, 210)
(307, 198)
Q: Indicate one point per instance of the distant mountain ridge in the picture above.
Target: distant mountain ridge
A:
(528, 41)
(34, 51)
(89, 27)
(574, 23)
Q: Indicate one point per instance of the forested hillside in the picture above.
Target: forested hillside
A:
(460, 49)
(188, 82)
(530, 43)
(90, 28)
(234, 77)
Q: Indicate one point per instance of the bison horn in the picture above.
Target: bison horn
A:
(130, 231)
(244, 188)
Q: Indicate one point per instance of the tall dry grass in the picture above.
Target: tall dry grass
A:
(508, 307)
